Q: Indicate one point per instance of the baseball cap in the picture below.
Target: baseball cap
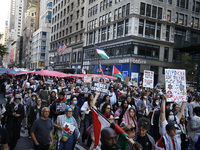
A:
(33, 94)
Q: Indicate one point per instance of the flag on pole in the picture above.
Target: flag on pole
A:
(83, 71)
(63, 48)
(58, 50)
(117, 73)
(101, 72)
(99, 123)
(101, 53)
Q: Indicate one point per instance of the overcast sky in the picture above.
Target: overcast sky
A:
(4, 11)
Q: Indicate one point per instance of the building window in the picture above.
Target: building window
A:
(176, 19)
(166, 54)
(103, 34)
(77, 14)
(181, 19)
(79, 56)
(196, 23)
(167, 32)
(126, 27)
(158, 31)
(70, 29)
(141, 27)
(148, 11)
(170, 2)
(108, 33)
(81, 24)
(154, 11)
(90, 38)
(150, 29)
(81, 37)
(76, 38)
(127, 9)
(142, 8)
(168, 15)
(82, 11)
(120, 13)
(74, 57)
(159, 13)
(120, 28)
(114, 31)
(115, 15)
(76, 26)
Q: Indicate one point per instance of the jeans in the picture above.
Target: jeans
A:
(69, 145)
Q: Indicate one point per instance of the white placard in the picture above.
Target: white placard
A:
(134, 78)
(175, 85)
(87, 79)
(148, 79)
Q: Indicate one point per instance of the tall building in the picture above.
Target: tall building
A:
(28, 30)
(41, 37)
(5, 43)
(68, 28)
(138, 35)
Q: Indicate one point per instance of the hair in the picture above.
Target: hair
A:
(104, 107)
(62, 93)
(122, 105)
(144, 122)
(129, 128)
(72, 97)
(174, 105)
(167, 111)
(104, 98)
(44, 108)
(131, 108)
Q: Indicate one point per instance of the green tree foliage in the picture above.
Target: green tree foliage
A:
(3, 49)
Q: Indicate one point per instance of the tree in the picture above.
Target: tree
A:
(3, 49)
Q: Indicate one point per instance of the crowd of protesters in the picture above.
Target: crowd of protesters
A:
(57, 114)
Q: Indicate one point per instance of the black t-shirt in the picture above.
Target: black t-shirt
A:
(42, 129)
(3, 137)
(144, 141)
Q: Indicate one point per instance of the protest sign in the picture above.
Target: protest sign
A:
(127, 80)
(175, 85)
(96, 79)
(148, 79)
(134, 78)
(99, 87)
(60, 107)
(50, 81)
(87, 79)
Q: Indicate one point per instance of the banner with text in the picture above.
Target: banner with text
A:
(134, 78)
(99, 87)
(175, 85)
(148, 79)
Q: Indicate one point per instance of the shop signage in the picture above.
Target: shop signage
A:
(132, 60)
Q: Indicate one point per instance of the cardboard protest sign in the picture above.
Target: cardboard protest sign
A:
(99, 87)
(96, 79)
(127, 80)
(175, 85)
(134, 78)
(87, 79)
(69, 129)
(60, 107)
(148, 79)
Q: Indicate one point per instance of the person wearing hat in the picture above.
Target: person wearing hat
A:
(68, 133)
(195, 103)
(15, 115)
(169, 140)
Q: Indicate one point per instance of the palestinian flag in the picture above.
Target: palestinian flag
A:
(116, 73)
(99, 123)
(101, 53)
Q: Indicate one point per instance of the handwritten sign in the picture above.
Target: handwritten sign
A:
(175, 85)
(148, 79)
(87, 78)
(134, 78)
(99, 87)
(96, 79)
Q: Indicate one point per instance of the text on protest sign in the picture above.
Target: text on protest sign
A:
(87, 78)
(148, 79)
(134, 78)
(175, 85)
(99, 87)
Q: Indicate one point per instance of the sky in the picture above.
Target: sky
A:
(4, 12)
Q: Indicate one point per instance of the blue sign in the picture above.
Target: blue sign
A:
(125, 74)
